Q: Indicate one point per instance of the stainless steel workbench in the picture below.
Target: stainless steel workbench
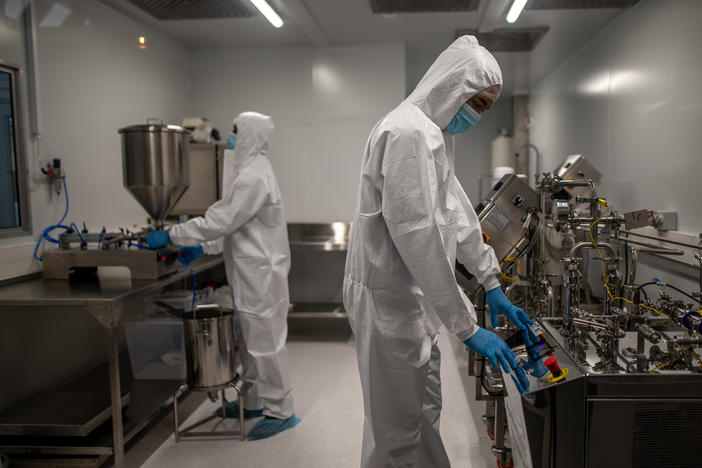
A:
(104, 299)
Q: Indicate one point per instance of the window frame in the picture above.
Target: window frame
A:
(25, 226)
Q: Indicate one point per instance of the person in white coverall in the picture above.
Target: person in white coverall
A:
(413, 220)
(248, 227)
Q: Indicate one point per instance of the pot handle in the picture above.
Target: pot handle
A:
(153, 119)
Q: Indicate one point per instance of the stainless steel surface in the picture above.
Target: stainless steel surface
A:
(110, 291)
(318, 257)
(143, 264)
(319, 236)
(155, 166)
(74, 410)
(503, 212)
(577, 167)
(205, 180)
(105, 299)
(209, 347)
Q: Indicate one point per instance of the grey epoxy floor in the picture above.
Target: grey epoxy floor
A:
(328, 399)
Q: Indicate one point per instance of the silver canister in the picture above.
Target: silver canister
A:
(209, 347)
(155, 165)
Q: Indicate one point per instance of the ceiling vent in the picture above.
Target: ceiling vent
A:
(578, 4)
(193, 9)
(508, 40)
(422, 6)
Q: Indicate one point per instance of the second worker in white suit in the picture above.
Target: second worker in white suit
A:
(248, 227)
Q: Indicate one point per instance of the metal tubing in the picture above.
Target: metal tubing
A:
(634, 264)
(699, 259)
(602, 245)
(651, 248)
(240, 399)
(115, 397)
(660, 239)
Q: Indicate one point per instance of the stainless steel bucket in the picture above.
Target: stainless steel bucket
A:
(209, 347)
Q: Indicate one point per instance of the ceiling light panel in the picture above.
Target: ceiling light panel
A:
(422, 6)
(578, 4)
(193, 9)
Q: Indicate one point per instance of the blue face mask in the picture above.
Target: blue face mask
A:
(465, 119)
(231, 141)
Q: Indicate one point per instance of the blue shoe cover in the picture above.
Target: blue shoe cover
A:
(268, 427)
(232, 411)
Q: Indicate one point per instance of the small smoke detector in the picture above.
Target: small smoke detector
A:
(193, 9)
(422, 6)
(508, 40)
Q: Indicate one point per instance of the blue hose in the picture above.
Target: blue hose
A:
(45, 233)
(194, 283)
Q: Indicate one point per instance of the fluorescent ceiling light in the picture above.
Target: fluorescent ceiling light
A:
(514, 11)
(268, 12)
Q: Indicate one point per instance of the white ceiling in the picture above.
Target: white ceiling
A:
(348, 22)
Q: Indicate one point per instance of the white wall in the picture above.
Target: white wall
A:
(94, 80)
(630, 100)
(324, 102)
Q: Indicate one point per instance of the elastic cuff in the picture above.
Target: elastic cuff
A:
(491, 283)
(464, 335)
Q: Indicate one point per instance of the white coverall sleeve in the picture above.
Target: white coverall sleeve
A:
(408, 210)
(224, 216)
(213, 247)
(478, 257)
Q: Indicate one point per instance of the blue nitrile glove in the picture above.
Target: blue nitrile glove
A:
(488, 344)
(187, 255)
(536, 362)
(157, 239)
(498, 302)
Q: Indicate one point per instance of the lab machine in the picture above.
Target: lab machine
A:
(619, 372)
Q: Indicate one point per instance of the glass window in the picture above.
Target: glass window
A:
(11, 212)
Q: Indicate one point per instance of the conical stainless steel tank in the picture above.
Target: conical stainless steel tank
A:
(155, 166)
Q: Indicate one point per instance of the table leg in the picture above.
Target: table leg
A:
(115, 397)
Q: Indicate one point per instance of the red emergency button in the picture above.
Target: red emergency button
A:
(556, 372)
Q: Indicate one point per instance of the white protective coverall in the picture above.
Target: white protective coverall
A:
(413, 219)
(248, 226)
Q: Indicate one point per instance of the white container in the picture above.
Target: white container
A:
(499, 172)
(156, 348)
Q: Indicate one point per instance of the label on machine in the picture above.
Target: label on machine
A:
(498, 219)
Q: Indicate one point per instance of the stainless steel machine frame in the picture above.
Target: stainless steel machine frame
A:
(107, 306)
(632, 374)
(156, 171)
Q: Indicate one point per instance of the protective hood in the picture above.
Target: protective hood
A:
(460, 72)
(254, 132)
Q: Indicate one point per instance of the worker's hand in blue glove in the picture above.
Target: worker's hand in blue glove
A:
(187, 255)
(489, 345)
(157, 239)
(498, 302)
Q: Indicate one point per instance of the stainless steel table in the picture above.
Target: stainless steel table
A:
(105, 300)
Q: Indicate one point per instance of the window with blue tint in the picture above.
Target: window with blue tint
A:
(11, 211)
